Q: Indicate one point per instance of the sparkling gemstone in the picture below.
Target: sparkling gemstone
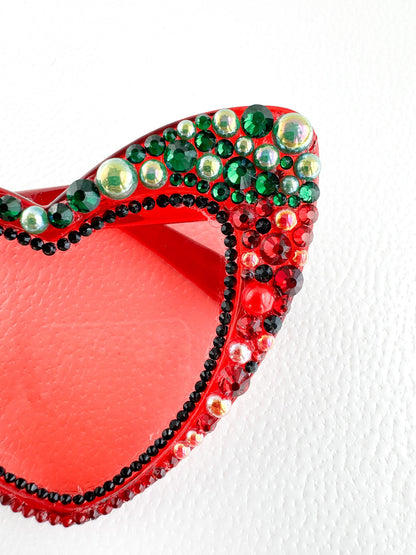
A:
(234, 381)
(302, 236)
(237, 197)
(180, 156)
(194, 438)
(263, 273)
(10, 208)
(289, 280)
(286, 220)
(153, 174)
(202, 187)
(264, 208)
(244, 146)
(251, 239)
(186, 129)
(308, 214)
(176, 179)
(209, 167)
(190, 180)
(251, 197)
(275, 248)
(300, 257)
(239, 352)
(309, 192)
(286, 162)
(267, 183)
(293, 201)
(170, 134)
(249, 259)
(155, 145)
(205, 141)
(224, 148)
(116, 178)
(203, 122)
(265, 342)
(272, 324)
(242, 217)
(248, 326)
(266, 157)
(257, 121)
(293, 133)
(239, 173)
(60, 215)
(135, 154)
(34, 219)
(225, 123)
(181, 450)
(289, 184)
(281, 305)
(218, 406)
(308, 166)
(83, 195)
(220, 192)
(206, 423)
(279, 199)
(257, 298)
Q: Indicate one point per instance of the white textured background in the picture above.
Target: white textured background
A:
(319, 457)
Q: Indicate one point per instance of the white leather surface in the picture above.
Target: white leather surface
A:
(319, 456)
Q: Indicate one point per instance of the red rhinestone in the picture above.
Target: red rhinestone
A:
(206, 423)
(264, 207)
(302, 236)
(281, 305)
(257, 298)
(242, 217)
(251, 239)
(234, 382)
(308, 214)
(275, 248)
(248, 326)
(289, 280)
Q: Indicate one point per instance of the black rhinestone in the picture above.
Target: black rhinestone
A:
(2, 471)
(136, 466)
(201, 202)
(97, 223)
(85, 229)
(174, 425)
(10, 234)
(152, 451)
(214, 353)
(175, 200)
(167, 434)
(230, 241)
(182, 415)
(222, 331)
(219, 342)
(9, 477)
(188, 406)
(195, 397)
(49, 249)
(229, 294)
(20, 483)
(89, 496)
(231, 254)
(118, 479)
(122, 211)
(227, 306)
(213, 207)
(99, 491)
(126, 472)
(144, 458)
(205, 376)
(263, 273)
(42, 493)
(108, 485)
(263, 225)
(162, 201)
(109, 216)
(222, 217)
(160, 443)
(251, 367)
(63, 244)
(53, 497)
(231, 268)
(36, 243)
(1, 230)
(272, 324)
(210, 364)
(148, 203)
(200, 386)
(31, 488)
(135, 206)
(227, 228)
(230, 281)
(66, 499)
(188, 200)
(74, 237)
(78, 499)
(225, 318)
(23, 238)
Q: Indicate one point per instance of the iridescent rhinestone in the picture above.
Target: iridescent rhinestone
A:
(116, 178)
(34, 219)
(194, 438)
(83, 195)
(180, 156)
(266, 157)
(218, 406)
(239, 173)
(289, 184)
(300, 257)
(153, 174)
(60, 215)
(209, 167)
(181, 450)
(239, 352)
(308, 166)
(286, 220)
(293, 133)
(10, 208)
(186, 129)
(244, 146)
(249, 259)
(225, 123)
(265, 342)
(257, 121)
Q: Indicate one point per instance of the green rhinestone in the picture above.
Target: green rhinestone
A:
(186, 129)
(220, 191)
(237, 197)
(180, 156)
(205, 141)
(176, 179)
(10, 208)
(209, 167)
(155, 145)
(202, 187)
(279, 199)
(309, 192)
(293, 201)
(83, 195)
(286, 162)
(257, 121)
(203, 122)
(251, 197)
(266, 157)
(239, 173)
(60, 215)
(267, 183)
(190, 179)
(244, 146)
(224, 148)
(289, 184)
(34, 219)
(135, 154)
(170, 134)
(116, 178)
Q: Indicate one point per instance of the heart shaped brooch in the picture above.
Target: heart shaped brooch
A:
(169, 269)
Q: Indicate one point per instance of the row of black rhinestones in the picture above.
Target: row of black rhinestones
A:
(85, 230)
